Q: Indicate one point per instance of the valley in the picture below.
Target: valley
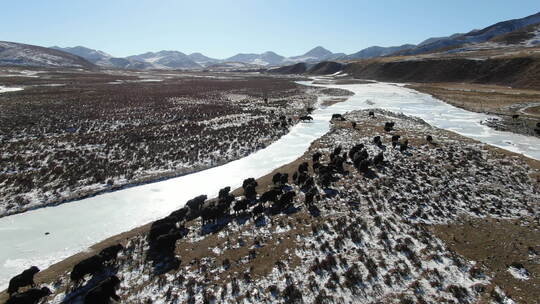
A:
(206, 156)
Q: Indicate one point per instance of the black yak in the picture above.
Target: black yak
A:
(103, 292)
(316, 157)
(363, 166)
(395, 140)
(23, 279)
(404, 145)
(31, 296)
(378, 159)
(338, 117)
(303, 167)
(90, 265)
(306, 118)
(110, 253)
(249, 185)
(388, 126)
(195, 203)
(354, 149)
(179, 214)
(240, 206)
(223, 193)
(377, 140)
(270, 195)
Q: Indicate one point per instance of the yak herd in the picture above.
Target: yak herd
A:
(99, 294)
(164, 233)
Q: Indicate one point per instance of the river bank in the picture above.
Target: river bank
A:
(499, 101)
(152, 132)
(376, 226)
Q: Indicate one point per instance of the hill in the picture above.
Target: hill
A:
(19, 54)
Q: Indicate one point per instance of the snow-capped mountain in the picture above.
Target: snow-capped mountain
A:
(316, 54)
(266, 58)
(20, 54)
(474, 36)
(166, 60)
(103, 59)
(91, 55)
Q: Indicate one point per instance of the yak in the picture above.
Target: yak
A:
(303, 167)
(338, 117)
(395, 140)
(250, 185)
(195, 203)
(23, 279)
(286, 200)
(305, 118)
(363, 166)
(179, 214)
(310, 196)
(354, 149)
(240, 205)
(404, 145)
(378, 159)
(223, 193)
(31, 296)
(316, 157)
(377, 140)
(110, 253)
(270, 195)
(159, 229)
(90, 265)
(103, 292)
(388, 126)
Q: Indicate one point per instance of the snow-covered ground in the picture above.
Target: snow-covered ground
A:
(368, 243)
(22, 236)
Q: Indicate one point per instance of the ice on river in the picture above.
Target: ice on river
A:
(4, 89)
(394, 97)
(75, 226)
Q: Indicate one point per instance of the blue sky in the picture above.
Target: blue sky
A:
(223, 28)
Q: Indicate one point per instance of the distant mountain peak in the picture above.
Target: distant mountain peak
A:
(318, 51)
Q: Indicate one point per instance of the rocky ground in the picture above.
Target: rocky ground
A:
(382, 231)
(69, 134)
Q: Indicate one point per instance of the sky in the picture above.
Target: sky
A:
(223, 28)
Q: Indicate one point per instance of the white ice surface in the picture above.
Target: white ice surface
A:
(6, 89)
(75, 226)
(396, 98)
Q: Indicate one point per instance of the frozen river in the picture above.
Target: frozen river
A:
(75, 226)
(6, 89)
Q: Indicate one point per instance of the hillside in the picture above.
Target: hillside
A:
(389, 230)
(376, 51)
(474, 36)
(522, 72)
(18, 54)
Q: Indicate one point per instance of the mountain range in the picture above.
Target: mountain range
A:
(179, 60)
(524, 31)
